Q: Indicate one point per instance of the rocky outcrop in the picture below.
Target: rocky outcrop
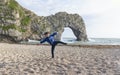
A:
(20, 24)
(73, 21)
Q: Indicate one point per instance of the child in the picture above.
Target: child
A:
(50, 39)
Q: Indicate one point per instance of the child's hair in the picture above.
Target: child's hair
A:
(46, 33)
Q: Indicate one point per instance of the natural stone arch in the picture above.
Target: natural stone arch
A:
(79, 33)
(73, 21)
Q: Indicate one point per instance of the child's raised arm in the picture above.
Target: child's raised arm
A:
(53, 34)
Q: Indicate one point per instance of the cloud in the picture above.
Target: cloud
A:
(50, 6)
(82, 7)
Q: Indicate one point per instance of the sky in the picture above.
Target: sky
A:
(101, 17)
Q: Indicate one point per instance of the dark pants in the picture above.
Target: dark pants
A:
(53, 47)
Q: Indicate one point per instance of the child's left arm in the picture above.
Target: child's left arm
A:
(42, 41)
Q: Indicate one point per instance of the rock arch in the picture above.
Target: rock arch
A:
(73, 21)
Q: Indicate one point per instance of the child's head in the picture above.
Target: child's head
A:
(47, 34)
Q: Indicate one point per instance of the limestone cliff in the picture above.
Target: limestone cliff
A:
(18, 23)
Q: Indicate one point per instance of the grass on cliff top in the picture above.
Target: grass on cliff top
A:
(25, 20)
(15, 6)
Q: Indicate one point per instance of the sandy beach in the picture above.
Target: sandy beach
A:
(18, 59)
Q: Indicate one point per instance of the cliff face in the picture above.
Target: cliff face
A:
(14, 20)
(18, 23)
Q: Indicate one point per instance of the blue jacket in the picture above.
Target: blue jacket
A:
(49, 39)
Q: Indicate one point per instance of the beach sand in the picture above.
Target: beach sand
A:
(18, 59)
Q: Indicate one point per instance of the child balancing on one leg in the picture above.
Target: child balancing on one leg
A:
(50, 39)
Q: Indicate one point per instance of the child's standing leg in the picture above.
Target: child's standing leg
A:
(53, 47)
(52, 50)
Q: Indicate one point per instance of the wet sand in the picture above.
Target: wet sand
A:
(18, 59)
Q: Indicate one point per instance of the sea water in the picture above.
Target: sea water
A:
(94, 41)
(91, 41)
